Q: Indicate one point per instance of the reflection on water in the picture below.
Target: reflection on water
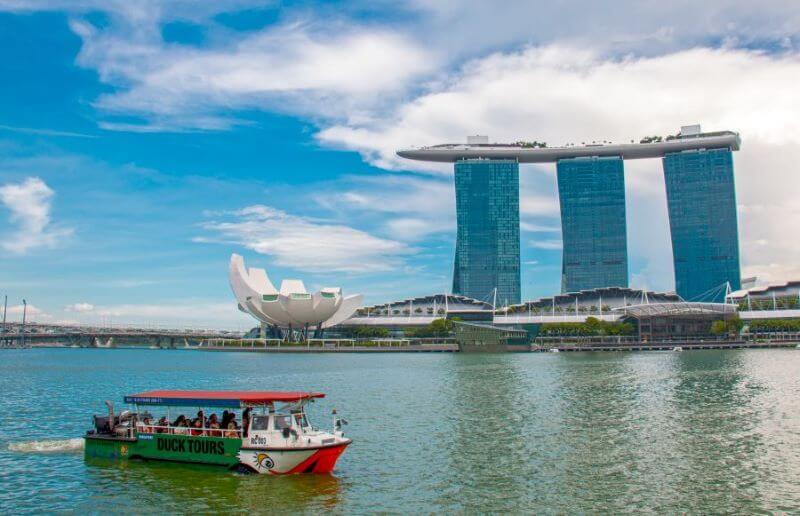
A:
(700, 432)
(600, 408)
(196, 488)
(483, 441)
(714, 440)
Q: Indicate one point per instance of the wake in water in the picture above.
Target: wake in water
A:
(52, 446)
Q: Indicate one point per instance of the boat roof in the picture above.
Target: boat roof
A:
(228, 399)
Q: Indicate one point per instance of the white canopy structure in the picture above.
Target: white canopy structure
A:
(291, 306)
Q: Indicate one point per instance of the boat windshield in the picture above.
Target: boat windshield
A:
(260, 423)
(300, 420)
(282, 422)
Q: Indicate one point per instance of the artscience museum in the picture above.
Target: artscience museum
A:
(291, 307)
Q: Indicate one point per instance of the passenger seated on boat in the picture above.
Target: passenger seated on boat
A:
(197, 427)
(227, 417)
(145, 426)
(163, 425)
(231, 432)
(213, 424)
(246, 420)
(179, 421)
(183, 428)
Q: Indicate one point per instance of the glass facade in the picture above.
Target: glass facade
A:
(487, 238)
(592, 196)
(702, 216)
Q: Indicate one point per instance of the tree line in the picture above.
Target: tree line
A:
(591, 327)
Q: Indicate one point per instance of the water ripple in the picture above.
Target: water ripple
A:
(700, 432)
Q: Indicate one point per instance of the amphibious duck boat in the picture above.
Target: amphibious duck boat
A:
(271, 433)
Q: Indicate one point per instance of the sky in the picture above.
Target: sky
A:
(143, 142)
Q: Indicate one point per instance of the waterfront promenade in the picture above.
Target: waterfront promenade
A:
(449, 345)
(44, 336)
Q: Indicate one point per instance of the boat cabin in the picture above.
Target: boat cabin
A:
(261, 432)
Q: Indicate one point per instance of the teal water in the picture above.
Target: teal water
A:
(700, 432)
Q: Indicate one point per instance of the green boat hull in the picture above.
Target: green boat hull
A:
(218, 451)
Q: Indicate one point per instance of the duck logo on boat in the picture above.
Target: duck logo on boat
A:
(263, 461)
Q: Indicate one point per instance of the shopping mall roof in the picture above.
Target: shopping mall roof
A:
(612, 295)
(762, 290)
(677, 309)
(535, 152)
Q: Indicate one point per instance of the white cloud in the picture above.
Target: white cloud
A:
(32, 313)
(79, 307)
(305, 244)
(30, 203)
(407, 208)
(549, 245)
(538, 228)
(44, 132)
(621, 25)
(319, 70)
(538, 205)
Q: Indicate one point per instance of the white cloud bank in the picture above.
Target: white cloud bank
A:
(567, 95)
(30, 204)
(315, 70)
(305, 244)
(406, 208)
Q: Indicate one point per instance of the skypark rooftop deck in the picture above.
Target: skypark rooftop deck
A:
(528, 153)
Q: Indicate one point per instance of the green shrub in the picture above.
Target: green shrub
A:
(368, 332)
(767, 325)
(437, 328)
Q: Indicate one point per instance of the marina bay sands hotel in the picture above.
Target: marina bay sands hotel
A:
(701, 200)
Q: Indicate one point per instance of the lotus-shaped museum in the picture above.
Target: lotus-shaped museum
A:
(291, 306)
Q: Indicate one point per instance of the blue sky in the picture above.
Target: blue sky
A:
(142, 142)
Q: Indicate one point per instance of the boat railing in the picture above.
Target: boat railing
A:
(191, 431)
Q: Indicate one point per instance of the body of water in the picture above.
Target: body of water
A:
(700, 431)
